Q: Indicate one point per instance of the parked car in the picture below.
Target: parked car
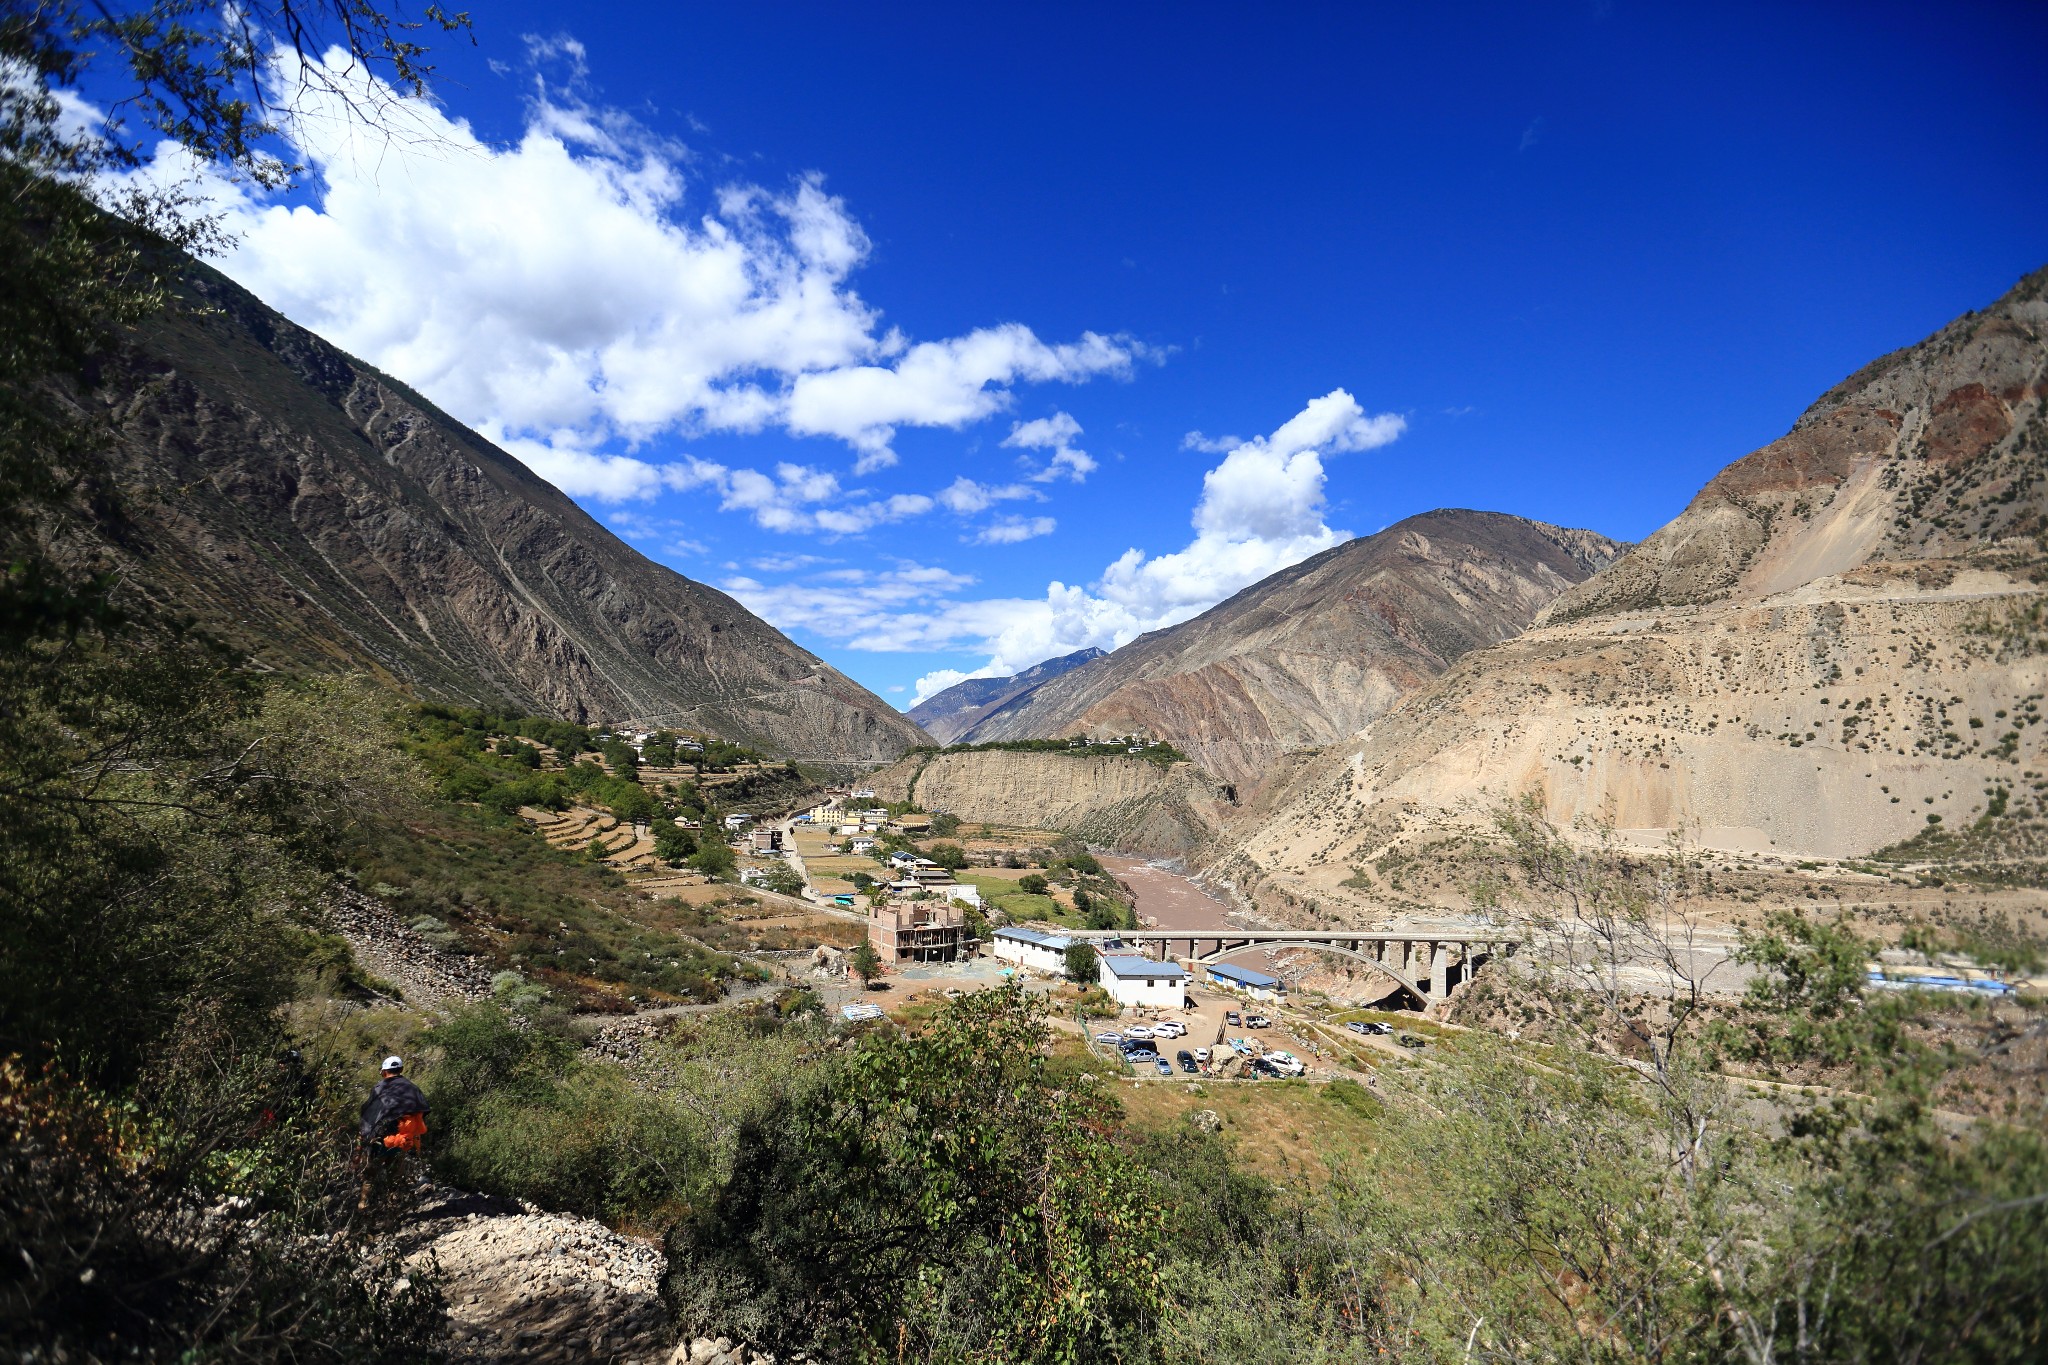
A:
(1111, 1038)
(1137, 1031)
(1379, 1028)
(1165, 1067)
(1138, 1052)
(1258, 1021)
(1231, 1020)
(1260, 1067)
(1411, 1040)
(1359, 1026)
(1172, 1028)
(1202, 1055)
(1186, 1060)
(1285, 1063)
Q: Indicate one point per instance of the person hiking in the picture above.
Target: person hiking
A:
(394, 1121)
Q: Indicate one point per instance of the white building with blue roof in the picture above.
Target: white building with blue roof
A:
(1132, 980)
(1244, 981)
(1032, 949)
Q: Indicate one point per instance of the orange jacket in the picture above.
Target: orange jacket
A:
(411, 1128)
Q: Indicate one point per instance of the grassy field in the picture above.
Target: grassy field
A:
(1287, 1130)
(998, 887)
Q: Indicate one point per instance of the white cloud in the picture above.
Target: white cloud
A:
(1261, 509)
(576, 290)
(941, 384)
(1011, 530)
(1212, 445)
(937, 681)
(967, 497)
(1055, 433)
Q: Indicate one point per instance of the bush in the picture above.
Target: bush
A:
(938, 1195)
(517, 1111)
(1031, 884)
(949, 856)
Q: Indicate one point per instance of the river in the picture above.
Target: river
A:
(1167, 898)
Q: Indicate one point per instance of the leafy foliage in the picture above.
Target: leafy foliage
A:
(938, 1193)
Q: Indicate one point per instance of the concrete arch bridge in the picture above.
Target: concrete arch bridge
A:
(1430, 965)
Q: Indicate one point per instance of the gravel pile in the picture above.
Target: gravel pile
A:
(389, 948)
(539, 1287)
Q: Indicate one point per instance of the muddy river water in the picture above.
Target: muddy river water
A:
(1167, 898)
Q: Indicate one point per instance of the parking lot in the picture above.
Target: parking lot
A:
(1207, 1027)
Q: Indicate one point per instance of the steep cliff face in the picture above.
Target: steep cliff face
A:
(1121, 803)
(1838, 640)
(325, 517)
(950, 714)
(1312, 653)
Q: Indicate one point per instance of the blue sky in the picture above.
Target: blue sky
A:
(897, 322)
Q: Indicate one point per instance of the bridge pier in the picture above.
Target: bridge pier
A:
(1440, 972)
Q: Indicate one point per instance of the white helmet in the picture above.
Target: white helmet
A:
(394, 1063)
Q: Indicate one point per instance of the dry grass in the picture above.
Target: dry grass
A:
(1285, 1130)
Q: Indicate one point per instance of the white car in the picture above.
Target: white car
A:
(1202, 1055)
(1286, 1063)
(1111, 1039)
(1172, 1028)
(1137, 1031)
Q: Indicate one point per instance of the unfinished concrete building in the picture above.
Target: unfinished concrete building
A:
(918, 930)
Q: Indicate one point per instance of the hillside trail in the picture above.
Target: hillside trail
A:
(524, 1285)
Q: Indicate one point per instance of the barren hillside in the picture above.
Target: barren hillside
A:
(323, 516)
(1123, 803)
(1308, 655)
(1837, 643)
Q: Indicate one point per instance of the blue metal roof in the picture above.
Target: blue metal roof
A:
(1243, 976)
(1143, 968)
(1056, 942)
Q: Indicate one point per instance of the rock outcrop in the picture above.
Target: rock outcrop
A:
(524, 1285)
(950, 714)
(1116, 802)
(1310, 654)
(1838, 642)
(324, 517)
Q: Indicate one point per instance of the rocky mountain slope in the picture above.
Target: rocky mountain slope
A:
(1312, 653)
(1123, 803)
(323, 516)
(950, 714)
(1838, 642)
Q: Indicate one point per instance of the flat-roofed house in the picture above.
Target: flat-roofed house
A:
(1134, 980)
(1033, 950)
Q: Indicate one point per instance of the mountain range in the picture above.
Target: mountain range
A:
(948, 715)
(322, 516)
(1306, 656)
(1836, 645)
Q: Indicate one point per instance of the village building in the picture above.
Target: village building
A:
(1032, 949)
(860, 843)
(1141, 981)
(931, 930)
(766, 839)
(1244, 981)
(738, 820)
